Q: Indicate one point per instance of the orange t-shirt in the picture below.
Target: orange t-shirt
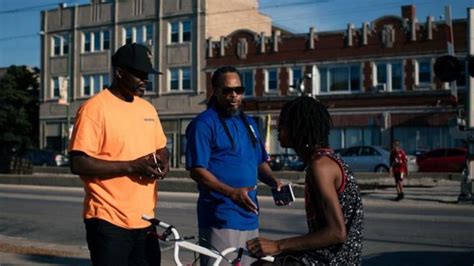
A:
(111, 129)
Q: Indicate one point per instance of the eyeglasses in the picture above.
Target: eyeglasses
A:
(228, 90)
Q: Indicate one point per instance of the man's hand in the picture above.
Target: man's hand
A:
(144, 167)
(162, 162)
(260, 247)
(278, 185)
(241, 196)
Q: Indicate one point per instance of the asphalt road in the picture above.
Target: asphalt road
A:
(42, 225)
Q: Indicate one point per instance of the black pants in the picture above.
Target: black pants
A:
(112, 245)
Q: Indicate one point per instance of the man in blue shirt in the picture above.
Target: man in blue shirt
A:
(225, 156)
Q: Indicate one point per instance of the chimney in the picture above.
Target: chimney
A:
(409, 12)
(413, 28)
(312, 36)
(222, 46)
(350, 31)
(276, 39)
(262, 42)
(429, 27)
(209, 47)
(365, 33)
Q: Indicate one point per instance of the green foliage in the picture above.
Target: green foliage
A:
(19, 109)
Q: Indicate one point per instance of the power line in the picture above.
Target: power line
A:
(18, 37)
(31, 8)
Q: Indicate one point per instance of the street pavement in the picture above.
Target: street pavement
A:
(19, 251)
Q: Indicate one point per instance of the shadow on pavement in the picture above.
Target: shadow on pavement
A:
(55, 260)
(417, 258)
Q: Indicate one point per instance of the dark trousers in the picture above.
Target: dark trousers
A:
(112, 245)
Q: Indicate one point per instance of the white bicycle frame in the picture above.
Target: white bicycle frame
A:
(182, 243)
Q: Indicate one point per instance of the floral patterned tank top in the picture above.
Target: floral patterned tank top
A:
(350, 252)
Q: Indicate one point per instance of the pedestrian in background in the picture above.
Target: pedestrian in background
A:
(398, 167)
(334, 210)
(226, 157)
(118, 148)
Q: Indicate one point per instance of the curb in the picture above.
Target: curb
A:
(181, 183)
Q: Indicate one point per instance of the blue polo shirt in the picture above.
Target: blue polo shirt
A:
(209, 147)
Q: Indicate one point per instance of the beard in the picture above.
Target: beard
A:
(228, 111)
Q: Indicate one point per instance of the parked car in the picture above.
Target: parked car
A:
(289, 162)
(371, 159)
(366, 158)
(443, 160)
(46, 157)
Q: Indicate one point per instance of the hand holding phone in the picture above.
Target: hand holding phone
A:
(284, 196)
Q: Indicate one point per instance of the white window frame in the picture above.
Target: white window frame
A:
(423, 85)
(389, 74)
(328, 67)
(93, 35)
(92, 84)
(180, 79)
(267, 80)
(291, 77)
(63, 40)
(180, 31)
(144, 28)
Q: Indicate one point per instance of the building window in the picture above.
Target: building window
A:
(93, 84)
(423, 138)
(55, 87)
(423, 72)
(186, 31)
(294, 78)
(186, 78)
(138, 34)
(60, 44)
(340, 78)
(271, 80)
(389, 76)
(128, 35)
(352, 136)
(179, 31)
(179, 79)
(96, 41)
(247, 82)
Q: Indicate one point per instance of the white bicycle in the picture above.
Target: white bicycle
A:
(181, 242)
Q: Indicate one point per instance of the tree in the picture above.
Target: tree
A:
(19, 109)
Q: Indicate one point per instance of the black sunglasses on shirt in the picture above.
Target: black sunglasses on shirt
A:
(228, 90)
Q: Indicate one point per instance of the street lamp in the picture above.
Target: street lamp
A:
(65, 85)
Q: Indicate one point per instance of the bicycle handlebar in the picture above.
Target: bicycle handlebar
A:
(179, 242)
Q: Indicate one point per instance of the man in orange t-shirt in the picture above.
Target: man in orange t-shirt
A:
(118, 148)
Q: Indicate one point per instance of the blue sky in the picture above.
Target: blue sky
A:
(20, 19)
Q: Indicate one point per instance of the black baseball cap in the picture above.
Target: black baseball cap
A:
(134, 56)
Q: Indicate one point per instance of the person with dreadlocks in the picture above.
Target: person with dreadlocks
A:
(225, 156)
(333, 204)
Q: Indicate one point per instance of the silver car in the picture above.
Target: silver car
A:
(371, 159)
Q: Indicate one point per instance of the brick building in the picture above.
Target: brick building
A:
(377, 80)
(78, 41)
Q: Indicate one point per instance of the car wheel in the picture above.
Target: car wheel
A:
(381, 169)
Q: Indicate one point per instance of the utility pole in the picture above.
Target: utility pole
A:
(466, 185)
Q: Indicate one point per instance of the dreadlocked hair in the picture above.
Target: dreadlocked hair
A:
(216, 76)
(307, 122)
